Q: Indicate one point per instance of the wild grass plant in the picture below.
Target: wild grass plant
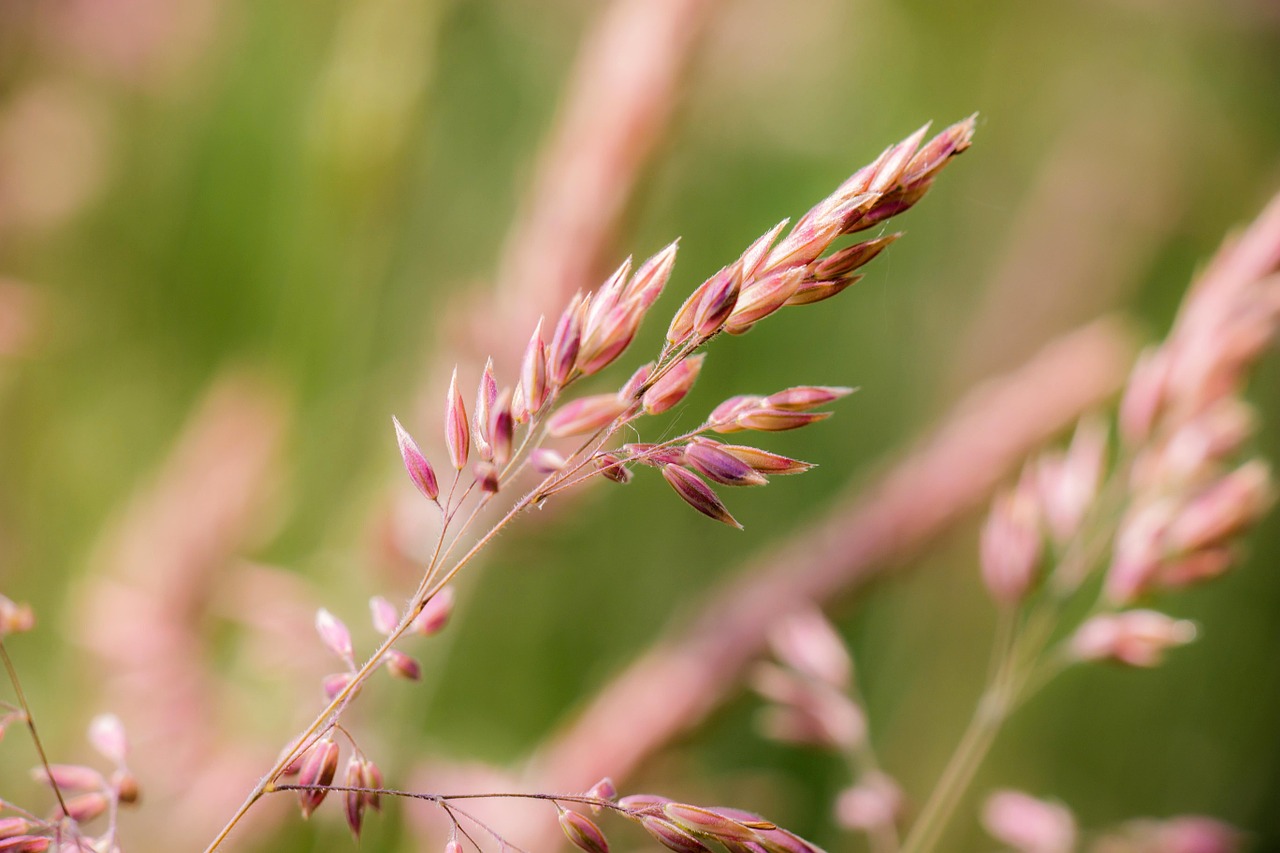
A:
(1117, 501)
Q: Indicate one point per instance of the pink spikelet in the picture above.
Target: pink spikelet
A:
(697, 494)
(334, 634)
(647, 284)
(533, 372)
(1029, 825)
(1011, 544)
(582, 832)
(319, 766)
(674, 386)
(562, 353)
(456, 434)
(420, 470)
(486, 396)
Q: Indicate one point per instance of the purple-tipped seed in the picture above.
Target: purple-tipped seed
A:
(319, 766)
(697, 494)
(456, 434)
(582, 832)
(420, 471)
(720, 467)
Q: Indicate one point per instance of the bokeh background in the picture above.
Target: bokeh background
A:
(236, 237)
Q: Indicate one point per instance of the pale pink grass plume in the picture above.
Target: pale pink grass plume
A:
(1029, 825)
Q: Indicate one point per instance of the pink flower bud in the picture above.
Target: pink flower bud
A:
(486, 396)
(533, 371)
(698, 494)
(14, 826)
(586, 414)
(647, 803)
(780, 840)
(845, 261)
(937, 151)
(456, 434)
(106, 734)
(723, 417)
(25, 844)
(647, 283)
(1139, 551)
(809, 239)
(674, 385)
(486, 474)
(1068, 484)
(454, 846)
(384, 615)
(333, 684)
(808, 711)
(372, 779)
(682, 323)
(1192, 834)
(602, 346)
(612, 467)
(295, 763)
(334, 634)
(1144, 396)
(1029, 825)
(804, 397)
(402, 665)
(420, 471)
(875, 802)
(761, 298)
(720, 467)
(435, 613)
(582, 832)
(353, 802)
(502, 429)
(83, 808)
(602, 790)
(671, 836)
(775, 420)
(544, 460)
(1195, 568)
(887, 206)
(762, 460)
(717, 303)
(519, 411)
(604, 301)
(817, 291)
(641, 375)
(1222, 510)
(807, 642)
(700, 821)
(752, 260)
(70, 777)
(1011, 545)
(1134, 637)
(893, 163)
(1200, 444)
(562, 354)
(319, 766)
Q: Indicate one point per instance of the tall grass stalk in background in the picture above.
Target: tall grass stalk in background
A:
(1073, 554)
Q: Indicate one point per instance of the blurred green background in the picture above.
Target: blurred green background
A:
(300, 194)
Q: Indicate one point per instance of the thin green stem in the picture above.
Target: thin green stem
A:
(993, 709)
(31, 723)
